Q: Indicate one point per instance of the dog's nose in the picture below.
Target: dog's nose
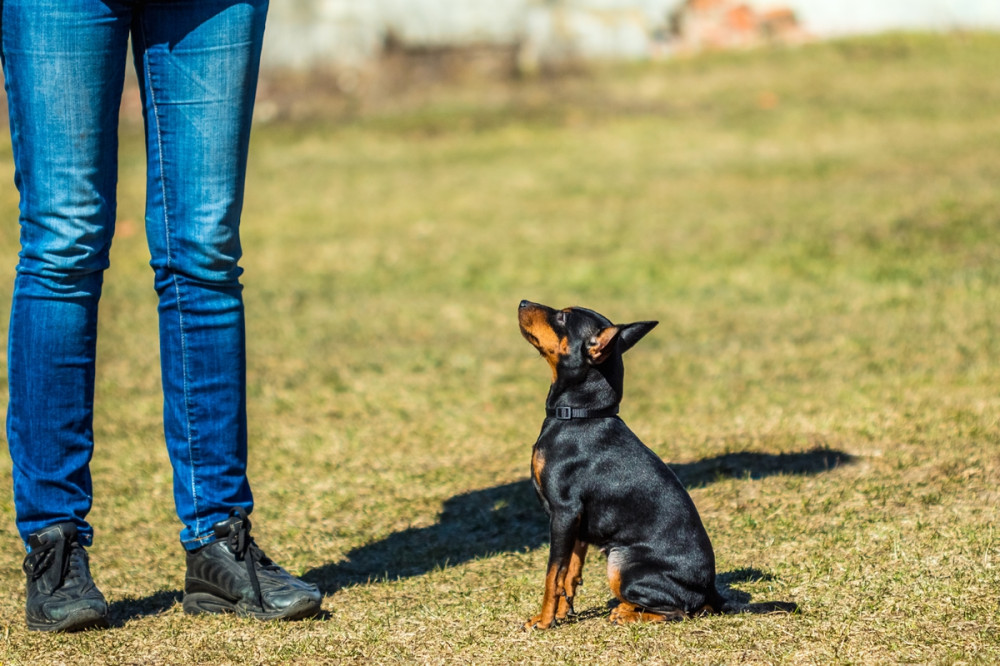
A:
(524, 304)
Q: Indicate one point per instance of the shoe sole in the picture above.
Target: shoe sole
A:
(80, 620)
(203, 603)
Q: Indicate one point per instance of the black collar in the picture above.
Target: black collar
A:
(567, 413)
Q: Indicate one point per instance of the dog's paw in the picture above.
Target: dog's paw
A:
(565, 608)
(613, 618)
(626, 613)
(538, 622)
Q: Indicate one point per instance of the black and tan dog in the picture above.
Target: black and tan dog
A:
(600, 485)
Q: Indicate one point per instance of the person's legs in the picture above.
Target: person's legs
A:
(64, 66)
(197, 63)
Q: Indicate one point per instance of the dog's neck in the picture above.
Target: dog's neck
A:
(600, 391)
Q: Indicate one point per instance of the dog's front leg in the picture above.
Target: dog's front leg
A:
(574, 579)
(563, 528)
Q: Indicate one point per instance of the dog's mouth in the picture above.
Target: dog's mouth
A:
(535, 342)
(529, 336)
(529, 317)
(532, 339)
(535, 328)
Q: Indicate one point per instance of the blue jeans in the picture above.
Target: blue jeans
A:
(64, 63)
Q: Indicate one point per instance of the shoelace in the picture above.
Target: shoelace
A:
(243, 547)
(53, 562)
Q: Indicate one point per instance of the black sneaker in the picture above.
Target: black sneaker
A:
(61, 594)
(233, 575)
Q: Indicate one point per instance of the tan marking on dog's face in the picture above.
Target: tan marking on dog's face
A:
(536, 329)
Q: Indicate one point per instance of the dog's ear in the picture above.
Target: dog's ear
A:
(632, 333)
(600, 346)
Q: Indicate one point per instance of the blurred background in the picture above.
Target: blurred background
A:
(332, 56)
(352, 34)
(320, 54)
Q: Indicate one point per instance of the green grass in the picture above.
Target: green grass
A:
(817, 232)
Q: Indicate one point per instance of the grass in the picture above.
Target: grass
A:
(815, 229)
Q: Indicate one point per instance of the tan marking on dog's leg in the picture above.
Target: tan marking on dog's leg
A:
(627, 612)
(547, 616)
(615, 575)
(573, 580)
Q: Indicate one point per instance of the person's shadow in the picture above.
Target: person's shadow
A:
(505, 518)
(508, 518)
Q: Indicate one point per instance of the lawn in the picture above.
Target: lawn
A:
(816, 231)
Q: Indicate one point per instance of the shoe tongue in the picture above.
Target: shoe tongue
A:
(50, 560)
(62, 531)
(230, 526)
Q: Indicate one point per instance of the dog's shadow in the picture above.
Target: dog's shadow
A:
(508, 518)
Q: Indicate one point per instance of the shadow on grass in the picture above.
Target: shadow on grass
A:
(752, 465)
(122, 611)
(505, 518)
(724, 583)
(508, 518)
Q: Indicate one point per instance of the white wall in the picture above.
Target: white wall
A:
(349, 32)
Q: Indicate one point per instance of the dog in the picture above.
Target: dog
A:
(601, 485)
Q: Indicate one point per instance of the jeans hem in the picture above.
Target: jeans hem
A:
(191, 545)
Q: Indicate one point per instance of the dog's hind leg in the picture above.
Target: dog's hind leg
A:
(629, 611)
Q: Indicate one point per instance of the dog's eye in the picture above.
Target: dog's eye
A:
(561, 318)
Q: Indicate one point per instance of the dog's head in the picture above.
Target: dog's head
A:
(575, 340)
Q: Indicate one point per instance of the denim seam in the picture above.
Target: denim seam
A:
(197, 542)
(176, 287)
